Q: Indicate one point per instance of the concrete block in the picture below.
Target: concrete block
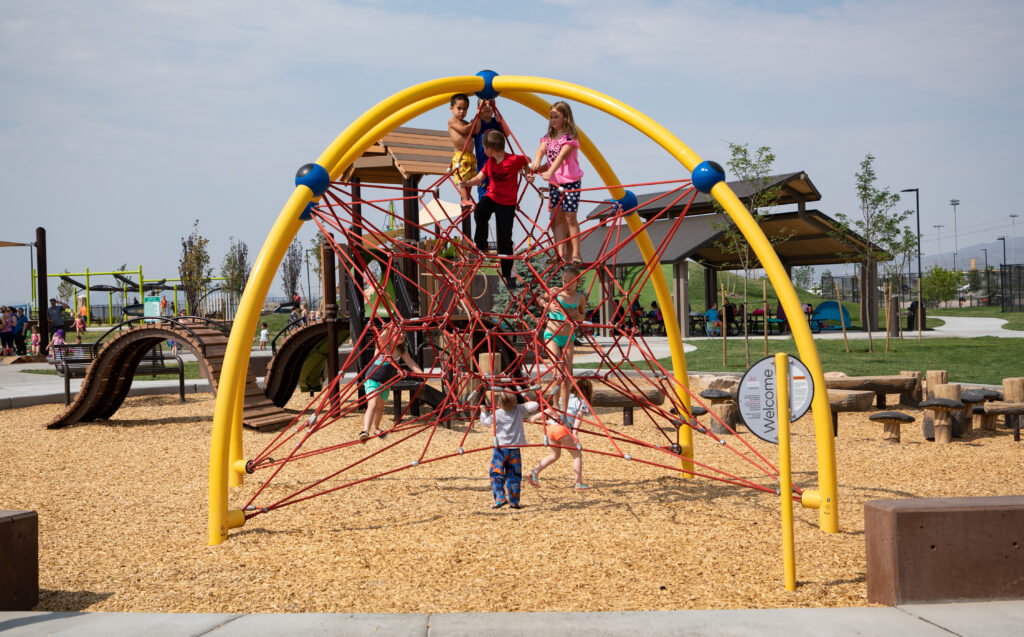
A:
(19, 560)
(944, 549)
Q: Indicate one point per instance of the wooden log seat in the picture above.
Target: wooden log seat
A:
(723, 409)
(611, 398)
(1013, 412)
(944, 549)
(906, 386)
(840, 400)
(892, 421)
(943, 410)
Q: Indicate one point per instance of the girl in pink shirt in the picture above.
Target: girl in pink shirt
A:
(560, 148)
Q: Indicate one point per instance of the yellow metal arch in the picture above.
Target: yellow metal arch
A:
(225, 447)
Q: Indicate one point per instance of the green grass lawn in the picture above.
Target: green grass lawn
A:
(976, 360)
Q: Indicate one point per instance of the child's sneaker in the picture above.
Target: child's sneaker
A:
(499, 504)
(514, 505)
(581, 487)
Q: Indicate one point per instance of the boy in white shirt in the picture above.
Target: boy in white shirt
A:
(264, 336)
(509, 435)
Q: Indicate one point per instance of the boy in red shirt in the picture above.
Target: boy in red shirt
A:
(503, 170)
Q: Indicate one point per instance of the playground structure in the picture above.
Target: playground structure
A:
(316, 198)
(110, 375)
(126, 286)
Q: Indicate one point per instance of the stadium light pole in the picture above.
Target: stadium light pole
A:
(954, 203)
(939, 228)
(917, 216)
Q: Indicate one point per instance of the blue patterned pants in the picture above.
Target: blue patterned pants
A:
(506, 475)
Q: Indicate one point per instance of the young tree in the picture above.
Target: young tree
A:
(939, 285)
(975, 281)
(194, 267)
(755, 169)
(291, 268)
(66, 291)
(314, 258)
(803, 276)
(236, 267)
(878, 227)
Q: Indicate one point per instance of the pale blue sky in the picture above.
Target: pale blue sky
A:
(122, 122)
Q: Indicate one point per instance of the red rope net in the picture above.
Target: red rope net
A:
(426, 280)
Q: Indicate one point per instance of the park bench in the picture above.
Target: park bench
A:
(73, 361)
(609, 398)
(880, 385)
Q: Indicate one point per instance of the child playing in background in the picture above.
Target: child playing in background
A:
(560, 148)
(502, 169)
(564, 433)
(463, 165)
(507, 463)
(264, 336)
(390, 340)
(58, 339)
(35, 340)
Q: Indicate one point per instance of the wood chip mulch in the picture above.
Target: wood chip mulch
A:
(122, 512)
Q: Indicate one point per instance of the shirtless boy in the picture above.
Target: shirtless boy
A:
(463, 163)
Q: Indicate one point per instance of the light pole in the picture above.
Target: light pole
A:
(988, 281)
(1002, 269)
(917, 216)
(954, 203)
(939, 227)
(1013, 237)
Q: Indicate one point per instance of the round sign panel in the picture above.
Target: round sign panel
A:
(758, 392)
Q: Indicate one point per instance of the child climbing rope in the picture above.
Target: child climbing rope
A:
(379, 377)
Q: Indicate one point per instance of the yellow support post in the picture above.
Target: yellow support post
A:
(785, 474)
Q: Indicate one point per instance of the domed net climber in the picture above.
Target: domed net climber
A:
(426, 281)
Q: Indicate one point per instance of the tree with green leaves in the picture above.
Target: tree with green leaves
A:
(314, 257)
(236, 267)
(803, 277)
(879, 228)
(291, 268)
(194, 267)
(939, 284)
(754, 168)
(66, 291)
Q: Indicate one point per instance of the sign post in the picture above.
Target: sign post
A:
(151, 308)
(774, 392)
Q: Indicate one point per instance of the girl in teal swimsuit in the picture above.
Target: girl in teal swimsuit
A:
(558, 329)
(384, 368)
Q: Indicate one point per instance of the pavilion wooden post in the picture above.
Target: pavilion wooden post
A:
(725, 327)
(764, 316)
(842, 323)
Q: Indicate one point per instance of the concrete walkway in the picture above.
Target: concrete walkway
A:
(983, 619)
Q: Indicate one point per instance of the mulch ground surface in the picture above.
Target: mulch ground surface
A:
(123, 519)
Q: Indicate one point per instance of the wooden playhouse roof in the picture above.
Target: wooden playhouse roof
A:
(404, 152)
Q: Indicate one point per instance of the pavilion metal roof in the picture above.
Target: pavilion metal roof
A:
(807, 238)
(404, 152)
(794, 188)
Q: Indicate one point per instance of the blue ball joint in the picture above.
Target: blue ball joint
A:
(315, 177)
(628, 201)
(706, 175)
(488, 93)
